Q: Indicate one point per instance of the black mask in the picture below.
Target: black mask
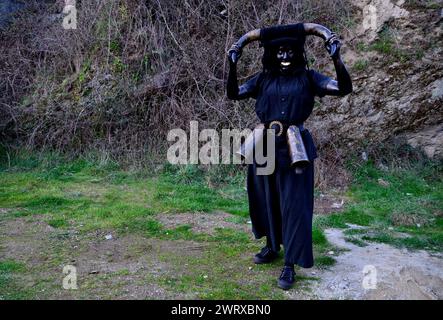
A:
(285, 58)
(283, 55)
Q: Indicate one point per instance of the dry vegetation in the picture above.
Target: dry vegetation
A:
(134, 69)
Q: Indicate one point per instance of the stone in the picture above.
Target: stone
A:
(430, 140)
(337, 205)
(383, 183)
(437, 89)
(383, 11)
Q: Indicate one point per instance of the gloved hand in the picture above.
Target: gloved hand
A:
(332, 45)
(234, 54)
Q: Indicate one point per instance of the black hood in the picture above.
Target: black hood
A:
(293, 37)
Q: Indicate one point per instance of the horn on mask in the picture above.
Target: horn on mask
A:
(296, 29)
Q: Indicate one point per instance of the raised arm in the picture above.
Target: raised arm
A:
(248, 89)
(343, 85)
(339, 87)
(233, 90)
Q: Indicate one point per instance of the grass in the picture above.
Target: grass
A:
(97, 196)
(423, 4)
(405, 210)
(361, 46)
(361, 65)
(9, 288)
(399, 206)
(388, 46)
(208, 277)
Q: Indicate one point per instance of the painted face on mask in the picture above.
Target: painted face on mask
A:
(285, 58)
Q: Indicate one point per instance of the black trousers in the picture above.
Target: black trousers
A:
(281, 205)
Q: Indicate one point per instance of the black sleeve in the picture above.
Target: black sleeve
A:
(319, 83)
(250, 88)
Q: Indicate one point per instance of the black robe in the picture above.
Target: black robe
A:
(281, 204)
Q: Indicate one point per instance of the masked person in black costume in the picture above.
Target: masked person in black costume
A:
(281, 204)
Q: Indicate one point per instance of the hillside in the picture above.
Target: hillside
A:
(398, 79)
(133, 70)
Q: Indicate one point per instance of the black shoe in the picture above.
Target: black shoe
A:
(287, 278)
(266, 255)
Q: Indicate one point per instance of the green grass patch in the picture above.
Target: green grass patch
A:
(190, 188)
(321, 246)
(58, 223)
(401, 206)
(318, 237)
(94, 195)
(9, 266)
(360, 65)
(387, 45)
(357, 241)
(223, 271)
(324, 261)
(422, 4)
(9, 283)
(361, 46)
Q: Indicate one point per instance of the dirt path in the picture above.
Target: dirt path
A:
(400, 274)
